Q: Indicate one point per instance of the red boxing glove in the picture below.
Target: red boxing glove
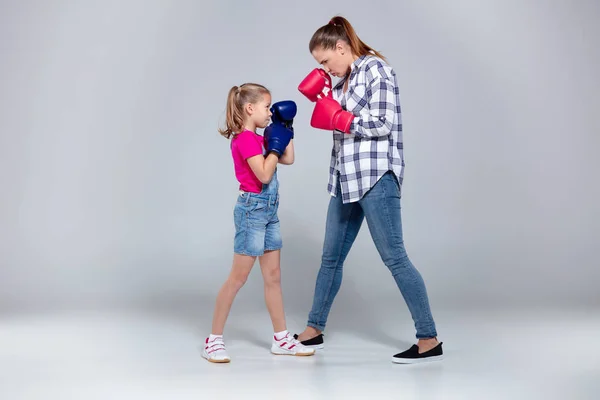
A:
(316, 85)
(328, 114)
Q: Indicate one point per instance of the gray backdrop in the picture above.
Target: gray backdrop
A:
(117, 188)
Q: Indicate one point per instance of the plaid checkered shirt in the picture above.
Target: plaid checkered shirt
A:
(374, 145)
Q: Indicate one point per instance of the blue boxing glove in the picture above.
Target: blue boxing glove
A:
(277, 137)
(284, 113)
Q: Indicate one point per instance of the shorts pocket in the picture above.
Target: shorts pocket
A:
(257, 214)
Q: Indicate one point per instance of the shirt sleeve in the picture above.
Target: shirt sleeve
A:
(381, 97)
(247, 145)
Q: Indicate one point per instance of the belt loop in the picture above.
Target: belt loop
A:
(247, 198)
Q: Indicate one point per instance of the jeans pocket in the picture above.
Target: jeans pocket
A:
(257, 214)
(395, 178)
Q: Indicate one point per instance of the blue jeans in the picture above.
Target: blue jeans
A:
(381, 208)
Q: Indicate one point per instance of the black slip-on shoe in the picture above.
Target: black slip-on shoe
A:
(412, 356)
(313, 343)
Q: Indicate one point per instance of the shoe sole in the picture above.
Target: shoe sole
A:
(291, 354)
(218, 361)
(316, 346)
(416, 360)
(215, 361)
(278, 353)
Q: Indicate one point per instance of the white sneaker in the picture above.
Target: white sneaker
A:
(214, 351)
(289, 346)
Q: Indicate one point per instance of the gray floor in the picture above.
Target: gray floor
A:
(114, 354)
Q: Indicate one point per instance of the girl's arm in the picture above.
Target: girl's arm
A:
(264, 167)
(287, 157)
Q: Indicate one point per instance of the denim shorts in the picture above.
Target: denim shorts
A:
(256, 224)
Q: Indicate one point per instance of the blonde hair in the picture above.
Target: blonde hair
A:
(236, 99)
(339, 28)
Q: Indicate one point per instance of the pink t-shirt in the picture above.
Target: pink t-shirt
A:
(244, 145)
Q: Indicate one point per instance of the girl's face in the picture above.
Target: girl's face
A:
(259, 112)
(335, 61)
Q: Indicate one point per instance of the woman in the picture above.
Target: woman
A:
(367, 168)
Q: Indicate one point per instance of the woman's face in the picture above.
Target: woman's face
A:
(335, 61)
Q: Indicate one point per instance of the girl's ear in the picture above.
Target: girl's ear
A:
(249, 108)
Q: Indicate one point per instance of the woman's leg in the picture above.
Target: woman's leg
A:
(381, 206)
(342, 227)
(242, 265)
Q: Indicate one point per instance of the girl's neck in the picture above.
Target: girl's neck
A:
(250, 127)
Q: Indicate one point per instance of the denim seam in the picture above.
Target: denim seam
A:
(339, 255)
(414, 279)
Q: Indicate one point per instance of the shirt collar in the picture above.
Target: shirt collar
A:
(353, 68)
(357, 63)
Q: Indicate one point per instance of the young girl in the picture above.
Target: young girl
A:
(257, 232)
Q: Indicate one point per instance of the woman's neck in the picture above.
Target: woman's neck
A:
(354, 58)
